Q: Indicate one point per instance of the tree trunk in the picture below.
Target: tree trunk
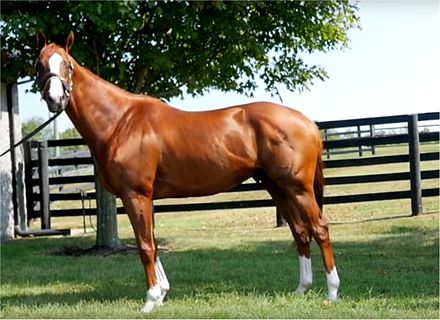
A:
(107, 222)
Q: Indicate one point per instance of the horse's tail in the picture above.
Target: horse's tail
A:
(319, 182)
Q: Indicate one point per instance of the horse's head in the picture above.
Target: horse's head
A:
(54, 72)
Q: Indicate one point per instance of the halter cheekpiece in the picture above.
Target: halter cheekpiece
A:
(67, 86)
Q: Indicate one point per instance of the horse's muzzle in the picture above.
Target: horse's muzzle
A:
(56, 98)
(58, 105)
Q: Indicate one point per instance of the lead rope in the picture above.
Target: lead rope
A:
(33, 133)
(90, 213)
(84, 196)
(67, 91)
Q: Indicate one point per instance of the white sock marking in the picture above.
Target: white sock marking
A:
(161, 276)
(333, 284)
(153, 296)
(305, 275)
(156, 294)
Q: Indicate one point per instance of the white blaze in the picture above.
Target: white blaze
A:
(56, 90)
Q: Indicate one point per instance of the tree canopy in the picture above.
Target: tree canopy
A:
(167, 48)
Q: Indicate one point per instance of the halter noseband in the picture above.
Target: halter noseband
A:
(67, 86)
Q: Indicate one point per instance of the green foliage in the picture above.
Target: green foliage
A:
(70, 133)
(164, 48)
(33, 123)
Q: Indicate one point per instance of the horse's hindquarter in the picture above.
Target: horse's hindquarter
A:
(288, 142)
(204, 152)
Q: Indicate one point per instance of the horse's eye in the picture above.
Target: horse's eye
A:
(67, 65)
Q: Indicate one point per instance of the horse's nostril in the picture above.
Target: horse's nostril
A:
(50, 100)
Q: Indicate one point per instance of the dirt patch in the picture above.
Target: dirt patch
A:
(95, 251)
(124, 249)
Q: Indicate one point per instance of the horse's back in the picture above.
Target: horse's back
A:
(278, 122)
(284, 116)
(203, 152)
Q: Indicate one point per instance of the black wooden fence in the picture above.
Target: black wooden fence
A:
(39, 181)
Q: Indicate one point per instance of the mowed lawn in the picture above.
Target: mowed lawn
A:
(236, 264)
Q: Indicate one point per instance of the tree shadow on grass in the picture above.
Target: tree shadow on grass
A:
(403, 263)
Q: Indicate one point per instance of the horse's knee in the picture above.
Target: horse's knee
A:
(321, 233)
(147, 251)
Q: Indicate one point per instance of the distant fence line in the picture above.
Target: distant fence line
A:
(39, 197)
(359, 133)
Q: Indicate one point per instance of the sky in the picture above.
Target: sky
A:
(392, 66)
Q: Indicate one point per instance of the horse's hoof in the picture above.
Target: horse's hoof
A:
(148, 307)
(299, 292)
(332, 296)
(327, 303)
(163, 293)
(155, 297)
(302, 289)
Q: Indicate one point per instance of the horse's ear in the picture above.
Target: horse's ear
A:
(69, 41)
(41, 40)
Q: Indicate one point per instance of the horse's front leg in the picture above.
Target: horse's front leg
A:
(139, 210)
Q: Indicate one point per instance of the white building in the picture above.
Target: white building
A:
(11, 176)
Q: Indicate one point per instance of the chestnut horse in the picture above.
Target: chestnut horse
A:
(144, 150)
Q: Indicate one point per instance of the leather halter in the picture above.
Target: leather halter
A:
(67, 85)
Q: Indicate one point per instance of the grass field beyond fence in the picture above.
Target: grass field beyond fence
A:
(236, 265)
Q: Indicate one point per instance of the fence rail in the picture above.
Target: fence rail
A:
(40, 198)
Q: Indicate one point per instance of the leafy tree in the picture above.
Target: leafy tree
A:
(164, 48)
(33, 123)
(167, 48)
(71, 133)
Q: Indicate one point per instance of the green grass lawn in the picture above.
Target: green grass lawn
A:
(235, 264)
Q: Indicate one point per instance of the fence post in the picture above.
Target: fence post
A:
(372, 134)
(359, 136)
(27, 153)
(414, 165)
(327, 151)
(43, 164)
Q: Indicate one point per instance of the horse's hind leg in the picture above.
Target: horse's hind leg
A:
(299, 231)
(321, 235)
(302, 238)
(318, 228)
(301, 211)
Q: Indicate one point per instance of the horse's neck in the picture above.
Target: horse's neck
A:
(95, 107)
